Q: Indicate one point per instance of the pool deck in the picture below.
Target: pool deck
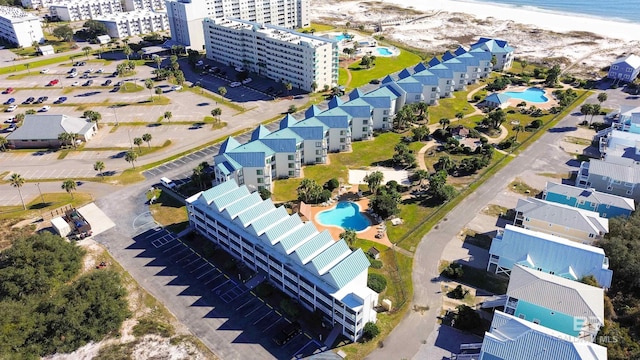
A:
(335, 231)
(513, 102)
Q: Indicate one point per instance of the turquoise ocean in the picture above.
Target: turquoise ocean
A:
(623, 10)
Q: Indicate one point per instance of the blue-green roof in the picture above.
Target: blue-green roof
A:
(243, 204)
(312, 111)
(269, 219)
(285, 133)
(313, 122)
(313, 246)
(296, 238)
(287, 121)
(218, 190)
(246, 217)
(259, 133)
(273, 234)
(229, 144)
(221, 202)
(338, 251)
(350, 267)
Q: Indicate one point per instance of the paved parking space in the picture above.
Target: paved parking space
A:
(61, 173)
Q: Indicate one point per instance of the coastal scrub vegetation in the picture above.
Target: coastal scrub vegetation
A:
(48, 306)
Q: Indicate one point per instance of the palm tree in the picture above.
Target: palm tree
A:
(127, 51)
(288, 86)
(131, 157)
(64, 138)
(222, 91)
(17, 181)
(585, 110)
(27, 65)
(148, 83)
(138, 141)
(158, 61)
(140, 53)
(3, 143)
(69, 186)
(349, 236)
(168, 115)
(99, 167)
(517, 129)
(459, 115)
(216, 114)
(86, 51)
(147, 138)
(314, 86)
(421, 175)
(602, 97)
(444, 122)
(101, 51)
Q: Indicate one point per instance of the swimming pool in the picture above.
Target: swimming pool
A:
(345, 215)
(383, 51)
(341, 37)
(533, 95)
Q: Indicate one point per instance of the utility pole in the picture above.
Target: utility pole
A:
(41, 197)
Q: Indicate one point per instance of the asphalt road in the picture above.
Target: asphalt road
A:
(414, 337)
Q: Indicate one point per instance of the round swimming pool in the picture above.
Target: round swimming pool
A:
(345, 215)
(533, 95)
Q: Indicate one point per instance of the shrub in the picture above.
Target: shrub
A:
(147, 325)
(466, 318)
(370, 331)
(477, 97)
(376, 282)
(536, 124)
(289, 307)
(264, 290)
(453, 271)
(458, 293)
(332, 184)
(376, 264)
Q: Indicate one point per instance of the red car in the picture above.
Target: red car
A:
(9, 90)
(53, 82)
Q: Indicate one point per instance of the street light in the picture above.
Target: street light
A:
(130, 142)
(41, 197)
(116, 115)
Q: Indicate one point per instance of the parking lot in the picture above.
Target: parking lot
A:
(234, 305)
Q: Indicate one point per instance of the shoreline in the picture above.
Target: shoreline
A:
(538, 17)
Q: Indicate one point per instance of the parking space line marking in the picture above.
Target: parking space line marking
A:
(201, 275)
(215, 288)
(169, 249)
(182, 258)
(252, 311)
(192, 271)
(273, 323)
(184, 266)
(264, 316)
(212, 279)
(241, 306)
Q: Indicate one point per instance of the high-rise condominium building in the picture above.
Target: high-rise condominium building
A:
(19, 27)
(185, 16)
(273, 51)
(131, 23)
(75, 10)
(132, 5)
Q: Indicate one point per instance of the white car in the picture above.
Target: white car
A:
(235, 84)
(247, 80)
(45, 108)
(72, 75)
(88, 71)
(100, 71)
(239, 69)
(176, 88)
(77, 83)
(12, 108)
(44, 71)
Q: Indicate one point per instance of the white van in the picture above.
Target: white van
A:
(166, 182)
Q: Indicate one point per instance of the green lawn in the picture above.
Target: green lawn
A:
(449, 107)
(383, 67)
(35, 207)
(317, 28)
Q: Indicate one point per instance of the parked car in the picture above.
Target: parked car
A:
(12, 108)
(10, 120)
(247, 80)
(10, 101)
(100, 71)
(9, 90)
(235, 84)
(375, 81)
(11, 128)
(115, 89)
(84, 76)
(53, 82)
(88, 71)
(72, 75)
(120, 83)
(176, 87)
(73, 70)
(60, 100)
(287, 333)
(214, 70)
(44, 71)
(76, 83)
(29, 100)
(41, 99)
(239, 69)
(107, 83)
(88, 83)
(45, 108)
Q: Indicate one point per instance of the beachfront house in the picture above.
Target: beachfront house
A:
(607, 205)
(361, 122)
(569, 222)
(320, 273)
(570, 307)
(616, 143)
(625, 68)
(500, 50)
(511, 338)
(548, 253)
(613, 175)
(626, 118)
(430, 86)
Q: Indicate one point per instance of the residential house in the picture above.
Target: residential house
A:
(255, 160)
(42, 131)
(499, 49)
(626, 118)
(548, 253)
(568, 306)
(321, 274)
(625, 68)
(607, 205)
(511, 338)
(385, 106)
(617, 176)
(618, 143)
(569, 222)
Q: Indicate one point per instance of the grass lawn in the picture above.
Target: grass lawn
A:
(52, 201)
(317, 27)
(449, 107)
(129, 87)
(520, 187)
(169, 212)
(342, 76)
(383, 67)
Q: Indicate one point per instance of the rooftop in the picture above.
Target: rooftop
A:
(38, 127)
(563, 215)
(15, 13)
(590, 195)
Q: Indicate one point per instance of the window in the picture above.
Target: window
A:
(591, 235)
(342, 132)
(417, 97)
(318, 143)
(318, 160)
(259, 172)
(290, 157)
(291, 165)
(291, 173)
(342, 140)
(260, 180)
(364, 129)
(433, 88)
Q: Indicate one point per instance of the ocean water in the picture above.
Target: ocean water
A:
(627, 10)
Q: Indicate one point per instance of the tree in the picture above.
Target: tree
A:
(466, 318)
(366, 61)
(595, 110)
(138, 141)
(370, 331)
(28, 66)
(524, 63)
(64, 138)
(86, 50)
(158, 91)
(69, 186)
(374, 180)
(3, 143)
(95, 28)
(126, 50)
(420, 175)
(148, 83)
(216, 114)
(585, 110)
(17, 181)
(349, 236)
(99, 167)
(309, 191)
(64, 33)
(552, 76)
(403, 156)
(420, 133)
(332, 184)
(168, 115)
(131, 157)
(376, 282)
(179, 75)
(444, 122)
(602, 97)
(264, 193)
(147, 138)
(140, 53)
(444, 163)
(385, 203)
(517, 129)
(92, 115)
(288, 86)
(222, 91)
(314, 86)
(157, 60)
(292, 109)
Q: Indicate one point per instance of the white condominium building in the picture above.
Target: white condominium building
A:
(36, 4)
(75, 10)
(274, 52)
(185, 16)
(19, 27)
(131, 23)
(132, 5)
(310, 266)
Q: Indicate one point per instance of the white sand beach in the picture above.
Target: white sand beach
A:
(581, 44)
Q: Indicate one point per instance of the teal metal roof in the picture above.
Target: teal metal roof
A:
(222, 201)
(219, 190)
(312, 111)
(273, 234)
(315, 245)
(312, 121)
(338, 251)
(269, 219)
(347, 269)
(285, 133)
(287, 120)
(253, 146)
(259, 132)
(243, 204)
(246, 217)
(228, 145)
(298, 237)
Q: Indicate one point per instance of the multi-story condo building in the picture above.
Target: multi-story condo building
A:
(308, 265)
(499, 49)
(274, 52)
(36, 4)
(133, 5)
(613, 175)
(607, 205)
(20, 27)
(75, 10)
(131, 23)
(186, 16)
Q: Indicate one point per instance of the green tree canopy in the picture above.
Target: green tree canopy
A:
(63, 32)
